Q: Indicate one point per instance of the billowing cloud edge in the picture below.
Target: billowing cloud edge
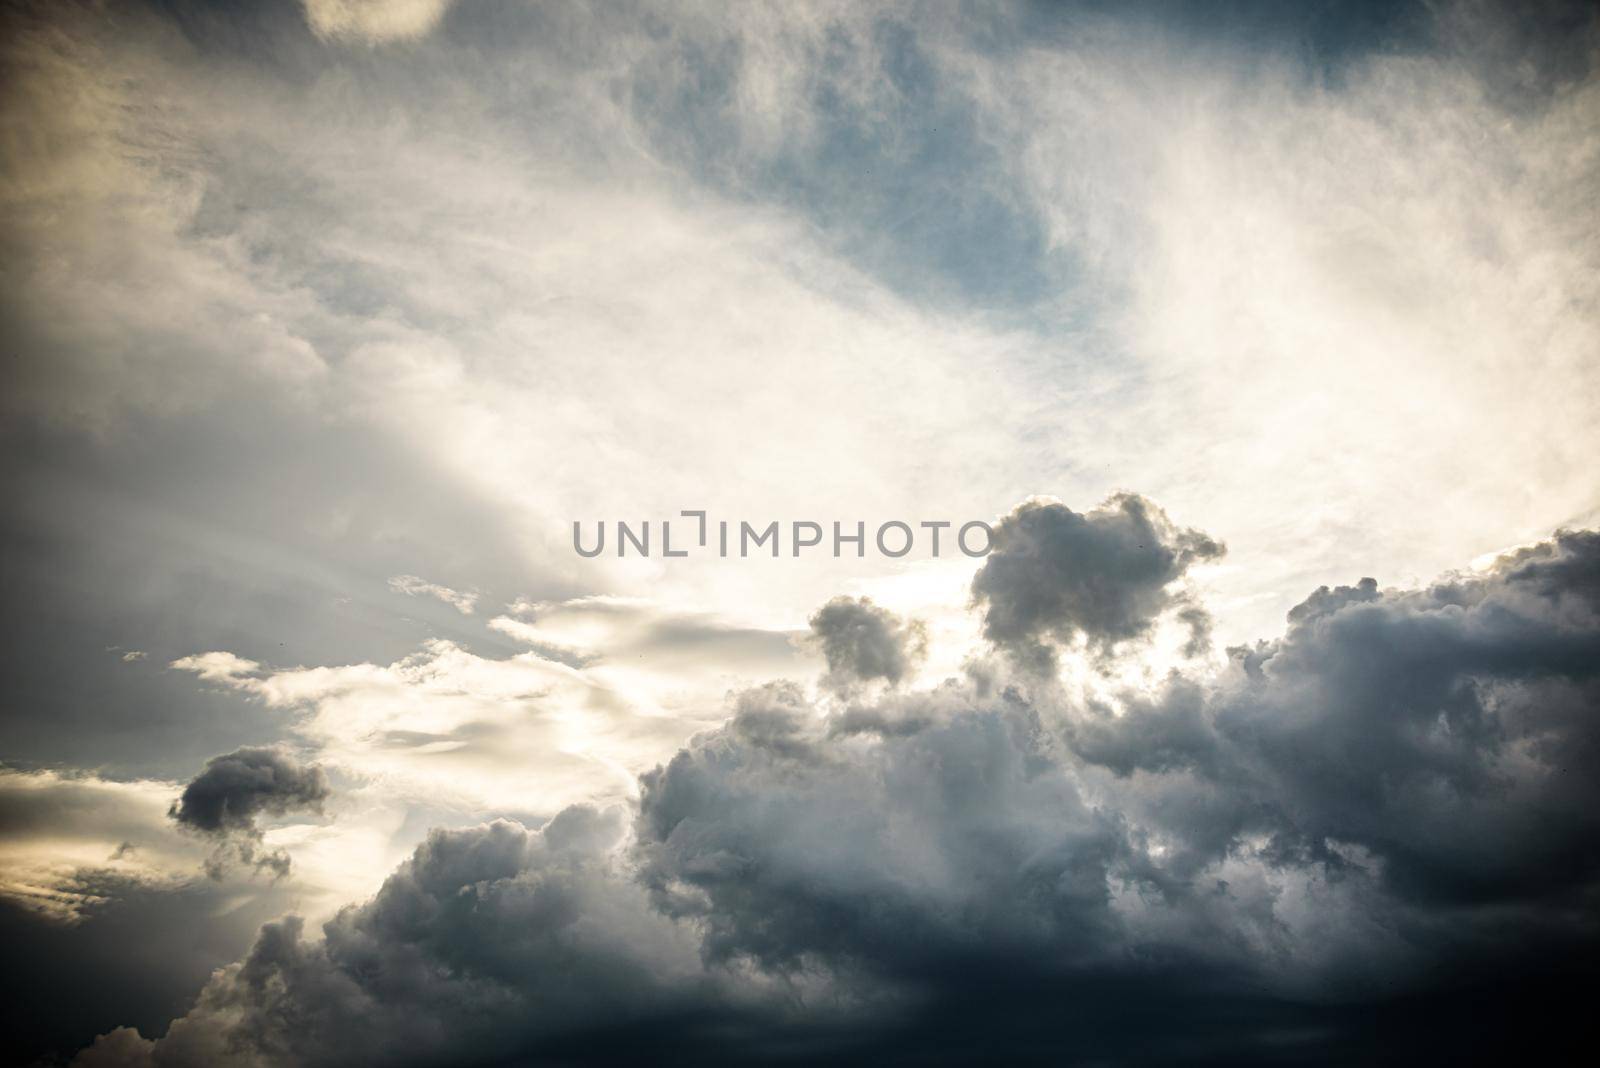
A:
(1388, 797)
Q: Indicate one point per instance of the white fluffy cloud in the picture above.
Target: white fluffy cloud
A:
(609, 687)
(374, 21)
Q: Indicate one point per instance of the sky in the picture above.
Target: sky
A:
(1264, 338)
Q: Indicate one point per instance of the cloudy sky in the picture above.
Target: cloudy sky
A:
(1266, 338)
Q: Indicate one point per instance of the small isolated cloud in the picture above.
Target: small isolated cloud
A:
(863, 642)
(412, 586)
(374, 21)
(224, 801)
(1056, 575)
(217, 666)
(133, 656)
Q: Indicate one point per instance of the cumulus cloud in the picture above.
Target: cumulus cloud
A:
(1105, 575)
(140, 945)
(863, 642)
(902, 853)
(485, 940)
(1387, 801)
(102, 897)
(228, 241)
(234, 790)
(1426, 739)
(117, 1048)
(237, 787)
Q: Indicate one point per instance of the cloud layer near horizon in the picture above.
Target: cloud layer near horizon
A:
(1389, 797)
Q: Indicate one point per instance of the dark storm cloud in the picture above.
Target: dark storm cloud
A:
(1056, 575)
(1443, 730)
(237, 787)
(485, 940)
(964, 838)
(137, 954)
(225, 799)
(942, 873)
(1382, 816)
(863, 642)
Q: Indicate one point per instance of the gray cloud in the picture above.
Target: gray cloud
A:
(225, 800)
(238, 244)
(226, 243)
(965, 838)
(486, 939)
(1385, 807)
(137, 954)
(1056, 575)
(1198, 620)
(863, 642)
(237, 787)
(1439, 730)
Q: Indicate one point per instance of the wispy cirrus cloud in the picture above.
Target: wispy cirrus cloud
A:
(412, 586)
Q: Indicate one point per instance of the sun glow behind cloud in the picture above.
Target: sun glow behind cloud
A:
(1256, 294)
(330, 319)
